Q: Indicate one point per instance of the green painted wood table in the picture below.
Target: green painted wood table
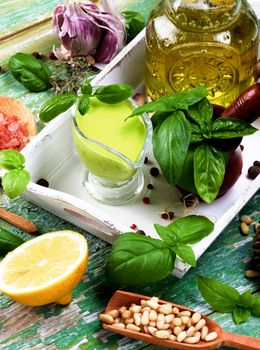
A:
(28, 28)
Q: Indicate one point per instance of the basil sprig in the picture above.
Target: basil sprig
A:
(136, 259)
(134, 23)
(185, 138)
(30, 72)
(224, 298)
(8, 241)
(109, 94)
(15, 181)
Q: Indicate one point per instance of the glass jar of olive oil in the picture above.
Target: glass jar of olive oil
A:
(194, 42)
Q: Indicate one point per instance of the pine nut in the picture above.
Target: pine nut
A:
(106, 318)
(122, 309)
(200, 324)
(182, 327)
(119, 325)
(143, 303)
(152, 324)
(191, 331)
(246, 219)
(137, 319)
(136, 308)
(181, 337)
(175, 310)
(153, 315)
(177, 322)
(198, 335)
(146, 308)
(172, 337)
(191, 340)
(189, 323)
(153, 304)
(168, 318)
(152, 330)
(145, 328)
(133, 327)
(211, 336)
(196, 317)
(177, 330)
(166, 326)
(129, 320)
(185, 313)
(118, 320)
(160, 324)
(165, 309)
(126, 314)
(160, 317)
(204, 332)
(155, 299)
(162, 334)
(114, 313)
(185, 319)
(145, 318)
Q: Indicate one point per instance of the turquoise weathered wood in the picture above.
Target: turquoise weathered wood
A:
(76, 326)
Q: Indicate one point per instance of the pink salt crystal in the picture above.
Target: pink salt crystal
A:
(13, 132)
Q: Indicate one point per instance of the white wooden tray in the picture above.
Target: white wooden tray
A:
(51, 155)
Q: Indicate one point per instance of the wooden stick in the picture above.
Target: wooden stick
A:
(18, 221)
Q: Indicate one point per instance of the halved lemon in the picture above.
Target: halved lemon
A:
(45, 269)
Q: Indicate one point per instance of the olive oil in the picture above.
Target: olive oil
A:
(194, 42)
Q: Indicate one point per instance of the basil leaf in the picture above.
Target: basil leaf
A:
(30, 72)
(220, 296)
(240, 315)
(169, 237)
(136, 259)
(171, 103)
(86, 88)
(83, 104)
(11, 159)
(159, 117)
(8, 241)
(209, 171)
(255, 309)
(186, 179)
(15, 182)
(201, 112)
(226, 128)
(56, 105)
(114, 93)
(170, 145)
(196, 134)
(186, 253)
(134, 23)
(246, 299)
(191, 229)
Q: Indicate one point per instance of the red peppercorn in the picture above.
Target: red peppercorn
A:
(146, 200)
(37, 55)
(133, 226)
(165, 216)
(51, 56)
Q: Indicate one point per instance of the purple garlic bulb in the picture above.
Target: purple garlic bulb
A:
(86, 30)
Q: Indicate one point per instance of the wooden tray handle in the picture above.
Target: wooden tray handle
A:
(241, 341)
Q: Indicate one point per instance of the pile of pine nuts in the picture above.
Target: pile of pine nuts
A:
(160, 320)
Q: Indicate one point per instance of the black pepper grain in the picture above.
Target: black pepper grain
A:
(154, 171)
(43, 183)
(150, 187)
(256, 163)
(145, 160)
(140, 232)
(253, 172)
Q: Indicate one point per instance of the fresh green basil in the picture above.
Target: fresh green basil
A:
(174, 102)
(56, 105)
(30, 72)
(186, 179)
(226, 128)
(185, 252)
(169, 237)
(220, 296)
(8, 241)
(10, 159)
(14, 182)
(136, 259)
(86, 88)
(191, 229)
(83, 104)
(209, 171)
(114, 93)
(170, 145)
(134, 23)
(196, 133)
(201, 113)
(159, 117)
(255, 309)
(240, 314)
(246, 299)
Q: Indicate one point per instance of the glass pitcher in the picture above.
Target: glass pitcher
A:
(193, 42)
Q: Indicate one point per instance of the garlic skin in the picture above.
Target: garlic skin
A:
(84, 29)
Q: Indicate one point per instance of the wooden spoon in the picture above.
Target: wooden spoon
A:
(121, 298)
(12, 107)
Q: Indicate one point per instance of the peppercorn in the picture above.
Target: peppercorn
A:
(154, 171)
(140, 232)
(43, 183)
(133, 226)
(256, 163)
(242, 147)
(37, 55)
(146, 200)
(171, 215)
(150, 186)
(253, 172)
(51, 56)
(145, 160)
(165, 216)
